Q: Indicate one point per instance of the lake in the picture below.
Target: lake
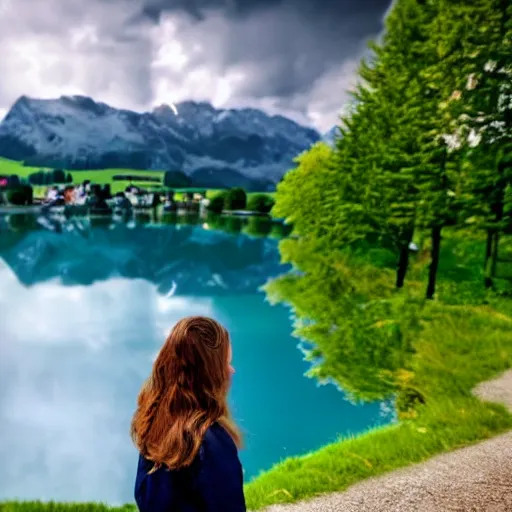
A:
(84, 308)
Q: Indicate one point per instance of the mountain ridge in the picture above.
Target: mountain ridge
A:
(76, 132)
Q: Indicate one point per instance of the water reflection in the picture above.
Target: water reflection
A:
(358, 329)
(198, 260)
(83, 312)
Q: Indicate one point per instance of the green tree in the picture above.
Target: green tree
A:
(69, 178)
(36, 178)
(416, 52)
(261, 203)
(58, 176)
(217, 203)
(486, 103)
(236, 199)
(47, 178)
(306, 195)
(20, 196)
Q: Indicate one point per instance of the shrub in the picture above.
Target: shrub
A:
(236, 199)
(217, 203)
(58, 176)
(261, 203)
(36, 178)
(14, 180)
(20, 196)
(69, 178)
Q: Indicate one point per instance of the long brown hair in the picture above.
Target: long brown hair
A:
(185, 394)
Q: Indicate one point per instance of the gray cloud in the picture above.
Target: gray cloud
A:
(296, 57)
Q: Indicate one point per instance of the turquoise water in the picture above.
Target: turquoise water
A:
(83, 312)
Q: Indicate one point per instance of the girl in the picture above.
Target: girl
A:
(187, 442)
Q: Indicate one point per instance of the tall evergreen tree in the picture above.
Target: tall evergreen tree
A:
(487, 116)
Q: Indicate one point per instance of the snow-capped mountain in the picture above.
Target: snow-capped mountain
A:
(76, 132)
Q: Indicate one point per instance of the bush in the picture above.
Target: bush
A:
(58, 176)
(20, 196)
(14, 180)
(261, 203)
(217, 203)
(69, 178)
(236, 199)
(37, 178)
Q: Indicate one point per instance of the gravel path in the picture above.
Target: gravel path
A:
(477, 478)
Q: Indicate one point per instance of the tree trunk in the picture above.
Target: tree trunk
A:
(434, 261)
(493, 235)
(403, 263)
(494, 254)
(488, 254)
(403, 260)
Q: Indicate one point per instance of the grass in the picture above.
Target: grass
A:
(100, 176)
(15, 167)
(103, 177)
(37, 506)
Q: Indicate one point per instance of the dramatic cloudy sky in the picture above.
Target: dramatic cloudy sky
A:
(296, 57)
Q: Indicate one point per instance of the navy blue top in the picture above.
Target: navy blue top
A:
(212, 483)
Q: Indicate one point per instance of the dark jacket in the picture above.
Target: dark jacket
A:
(213, 483)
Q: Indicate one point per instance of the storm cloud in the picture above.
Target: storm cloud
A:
(295, 57)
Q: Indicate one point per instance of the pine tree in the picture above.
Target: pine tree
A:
(487, 115)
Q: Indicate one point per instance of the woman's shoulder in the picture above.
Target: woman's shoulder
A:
(218, 439)
(218, 460)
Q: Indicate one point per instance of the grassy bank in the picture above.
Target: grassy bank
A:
(101, 176)
(461, 339)
(461, 347)
(37, 506)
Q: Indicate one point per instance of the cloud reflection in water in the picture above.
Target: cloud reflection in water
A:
(69, 391)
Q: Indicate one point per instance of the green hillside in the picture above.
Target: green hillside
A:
(101, 177)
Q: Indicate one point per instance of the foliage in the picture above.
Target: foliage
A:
(305, 196)
(235, 199)
(20, 195)
(261, 203)
(42, 178)
(39, 506)
(14, 180)
(217, 203)
(58, 176)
